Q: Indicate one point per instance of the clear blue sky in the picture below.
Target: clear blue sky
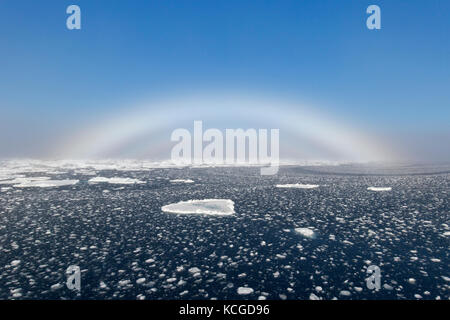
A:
(396, 79)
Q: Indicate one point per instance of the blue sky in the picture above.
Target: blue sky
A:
(395, 80)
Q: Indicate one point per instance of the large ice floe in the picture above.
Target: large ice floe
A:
(38, 182)
(182, 181)
(46, 183)
(219, 207)
(379, 188)
(298, 186)
(306, 232)
(115, 180)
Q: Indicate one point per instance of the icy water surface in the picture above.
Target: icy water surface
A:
(280, 243)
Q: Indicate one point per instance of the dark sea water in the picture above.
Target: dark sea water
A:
(127, 248)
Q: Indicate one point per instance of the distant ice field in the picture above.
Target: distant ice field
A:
(150, 232)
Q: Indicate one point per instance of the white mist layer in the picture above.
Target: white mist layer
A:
(298, 186)
(216, 207)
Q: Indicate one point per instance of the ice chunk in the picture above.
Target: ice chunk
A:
(15, 263)
(306, 232)
(206, 206)
(194, 270)
(312, 296)
(345, 293)
(244, 290)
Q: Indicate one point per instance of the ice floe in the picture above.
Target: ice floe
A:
(298, 186)
(306, 232)
(115, 180)
(46, 183)
(182, 181)
(379, 188)
(244, 290)
(23, 180)
(206, 206)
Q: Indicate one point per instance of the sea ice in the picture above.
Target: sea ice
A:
(182, 181)
(115, 180)
(46, 183)
(298, 186)
(206, 206)
(306, 232)
(244, 290)
(379, 188)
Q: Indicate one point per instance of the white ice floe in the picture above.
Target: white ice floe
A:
(23, 180)
(206, 206)
(182, 181)
(115, 180)
(46, 183)
(379, 188)
(244, 290)
(306, 232)
(15, 263)
(312, 296)
(345, 293)
(298, 186)
(194, 270)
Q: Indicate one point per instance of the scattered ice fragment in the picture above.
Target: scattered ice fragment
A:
(244, 290)
(15, 263)
(56, 286)
(123, 283)
(345, 293)
(194, 270)
(312, 296)
(387, 287)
